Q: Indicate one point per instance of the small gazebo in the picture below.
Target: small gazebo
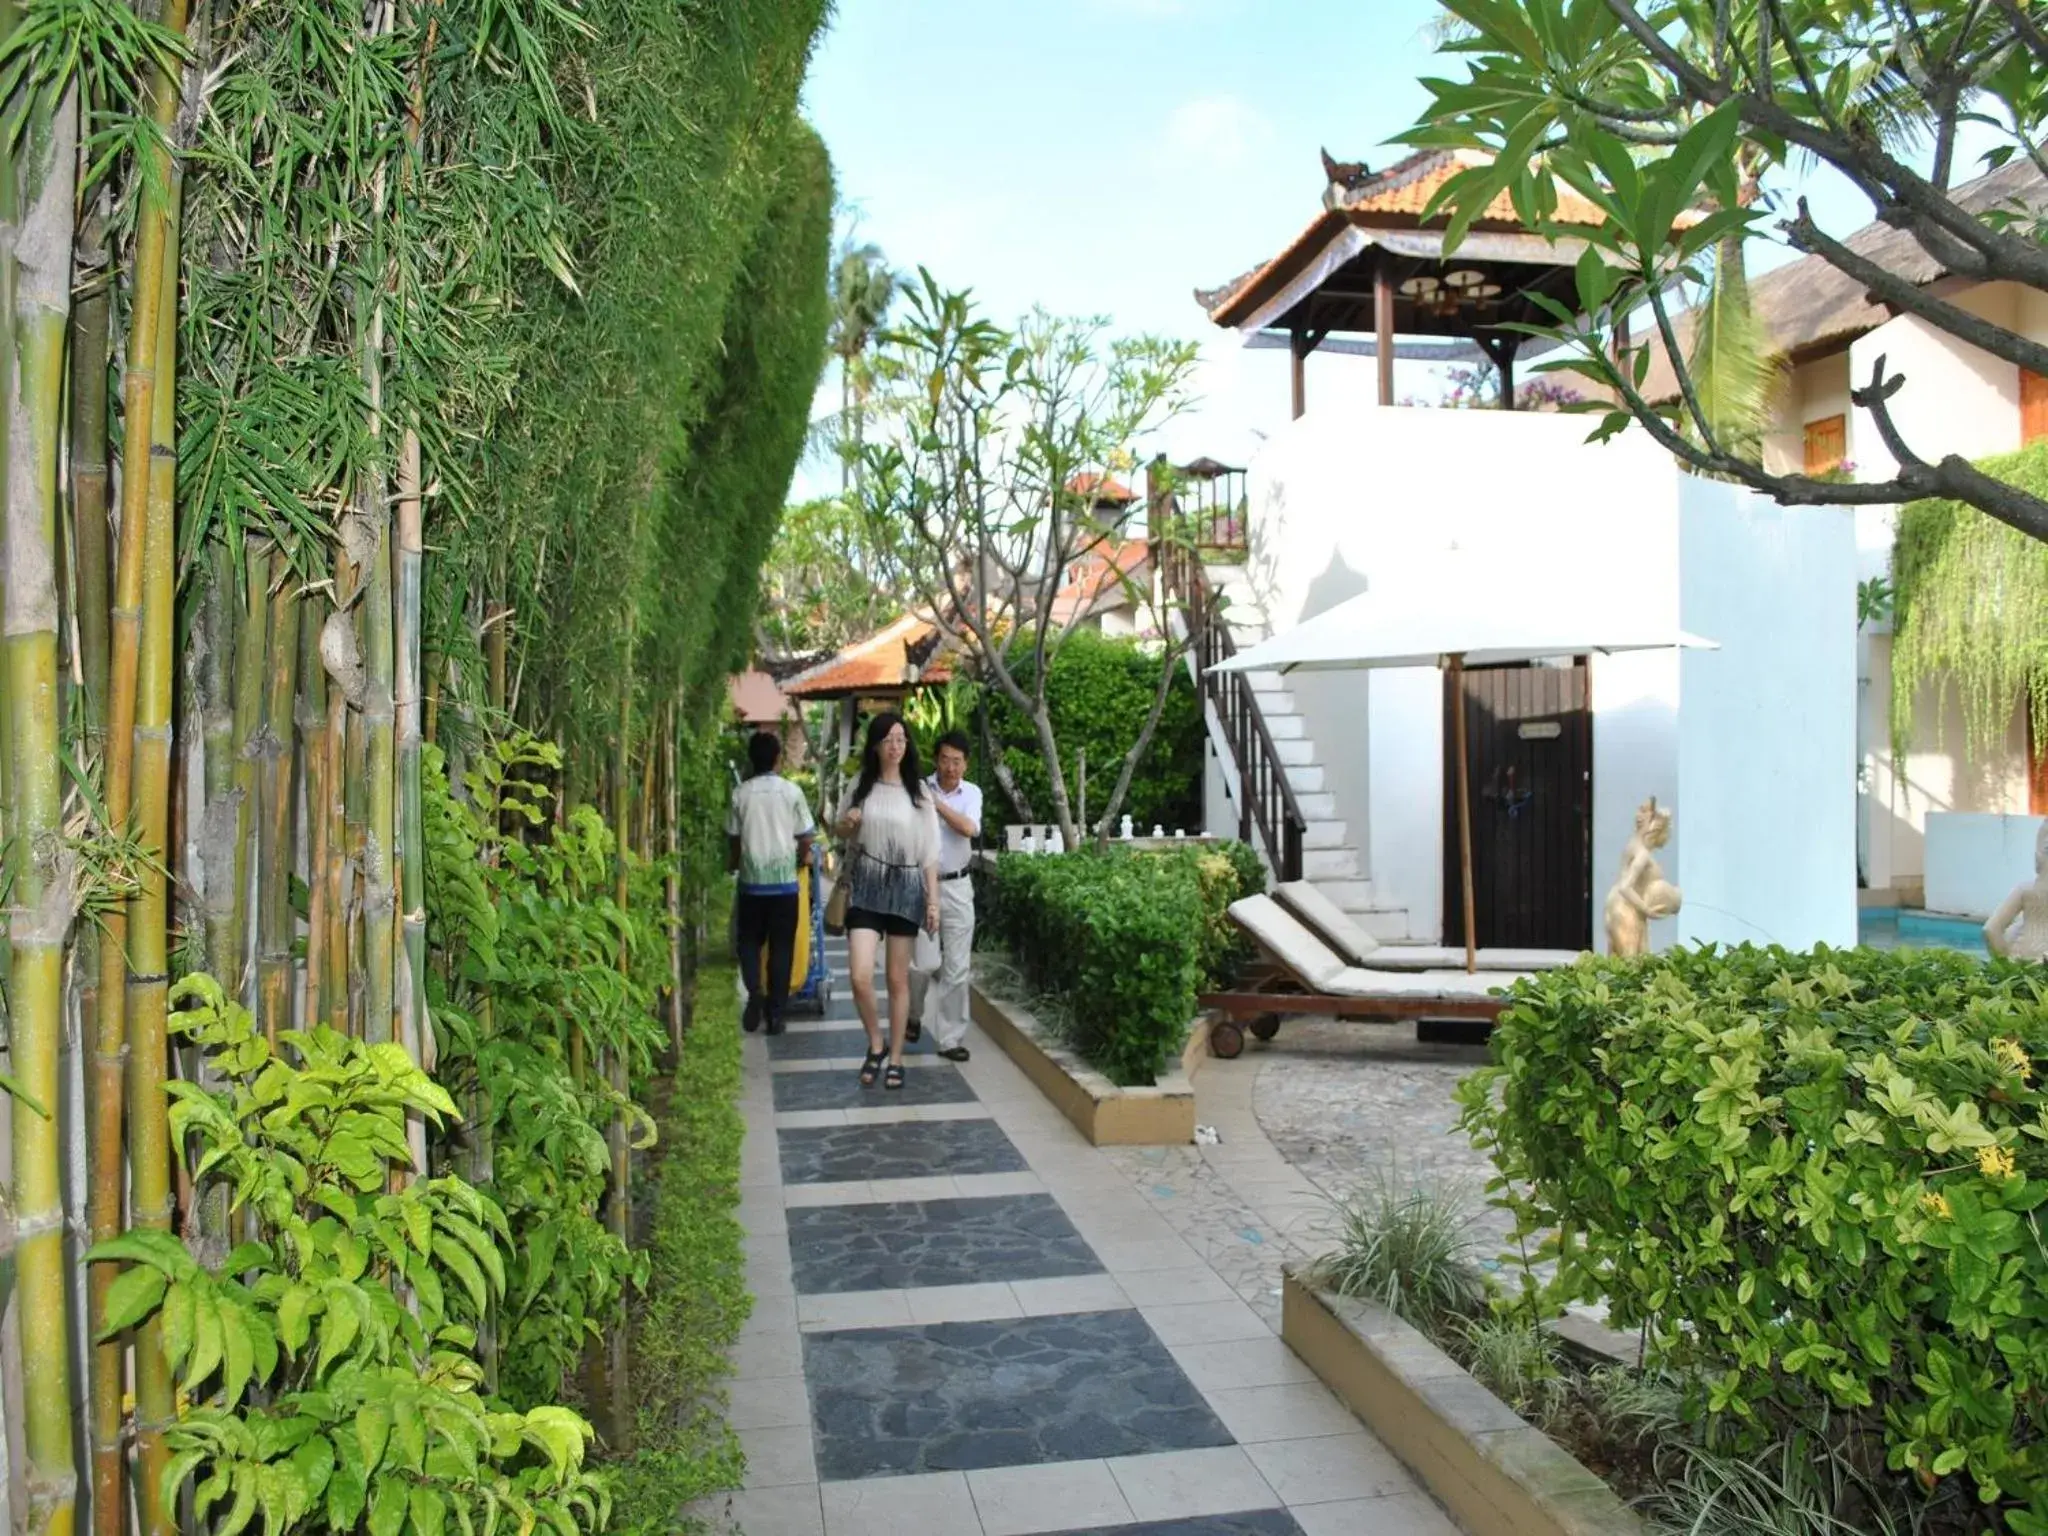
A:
(883, 670)
(1370, 265)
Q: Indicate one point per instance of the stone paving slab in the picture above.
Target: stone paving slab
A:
(834, 1153)
(842, 1090)
(963, 1396)
(899, 1244)
(835, 1044)
(1256, 1522)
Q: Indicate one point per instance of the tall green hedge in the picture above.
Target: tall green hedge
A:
(1099, 692)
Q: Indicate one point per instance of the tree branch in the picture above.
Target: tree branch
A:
(2025, 28)
(1882, 178)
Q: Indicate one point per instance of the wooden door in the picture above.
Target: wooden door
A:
(2033, 406)
(1529, 733)
(1827, 444)
(2037, 761)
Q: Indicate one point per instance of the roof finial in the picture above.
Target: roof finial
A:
(1345, 173)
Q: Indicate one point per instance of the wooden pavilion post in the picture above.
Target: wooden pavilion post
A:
(1297, 352)
(1457, 675)
(1383, 326)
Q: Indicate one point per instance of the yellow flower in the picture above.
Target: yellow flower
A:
(1995, 1163)
(1935, 1205)
(2013, 1055)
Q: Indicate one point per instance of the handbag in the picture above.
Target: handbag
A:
(835, 905)
(924, 954)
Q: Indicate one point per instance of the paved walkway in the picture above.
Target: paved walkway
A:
(971, 1323)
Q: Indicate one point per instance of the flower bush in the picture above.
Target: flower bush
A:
(1810, 1179)
(1124, 941)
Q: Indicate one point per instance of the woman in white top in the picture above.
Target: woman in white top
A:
(892, 872)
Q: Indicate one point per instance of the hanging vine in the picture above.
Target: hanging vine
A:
(1971, 613)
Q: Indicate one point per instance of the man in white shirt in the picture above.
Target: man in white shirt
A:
(768, 845)
(959, 806)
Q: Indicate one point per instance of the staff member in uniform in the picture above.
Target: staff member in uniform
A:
(959, 806)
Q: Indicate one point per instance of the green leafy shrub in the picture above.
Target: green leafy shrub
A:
(1099, 693)
(1811, 1179)
(329, 1365)
(1123, 941)
(697, 1301)
(1407, 1248)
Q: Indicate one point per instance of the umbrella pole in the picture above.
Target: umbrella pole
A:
(1464, 809)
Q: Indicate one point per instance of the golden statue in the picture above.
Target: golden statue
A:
(1641, 892)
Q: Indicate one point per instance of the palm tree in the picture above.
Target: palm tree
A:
(863, 288)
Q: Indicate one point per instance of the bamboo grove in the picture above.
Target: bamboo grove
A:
(400, 400)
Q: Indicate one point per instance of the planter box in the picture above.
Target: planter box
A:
(1495, 1474)
(1109, 1116)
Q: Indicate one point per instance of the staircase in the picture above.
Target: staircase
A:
(1271, 774)
(1330, 860)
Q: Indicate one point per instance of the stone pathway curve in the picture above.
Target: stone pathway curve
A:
(969, 1322)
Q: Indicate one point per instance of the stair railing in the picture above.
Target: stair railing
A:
(1265, 798)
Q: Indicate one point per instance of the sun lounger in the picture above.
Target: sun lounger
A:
(1303, 974)
(1336, 928)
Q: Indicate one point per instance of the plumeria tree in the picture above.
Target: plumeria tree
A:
(1656, 108)
(970, 476)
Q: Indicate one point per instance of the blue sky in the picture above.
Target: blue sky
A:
(1105, 157)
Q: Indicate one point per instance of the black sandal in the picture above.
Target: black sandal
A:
(892, 1077)
(871, 1066)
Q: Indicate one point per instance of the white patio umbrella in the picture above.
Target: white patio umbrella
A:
(1454, 614)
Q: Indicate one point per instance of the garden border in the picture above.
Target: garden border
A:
(1495, 1473)
(1108, 1115)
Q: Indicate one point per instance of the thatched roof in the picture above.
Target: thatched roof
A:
(1812, 309)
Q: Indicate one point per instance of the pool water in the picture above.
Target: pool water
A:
(1892, 928)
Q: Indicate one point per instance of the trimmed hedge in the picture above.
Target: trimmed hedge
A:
(1810, 1178)
(1124, 941)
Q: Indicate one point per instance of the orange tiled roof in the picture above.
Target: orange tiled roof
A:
(1098, 575)
(879, 664)
(1101, 487)
(756, 699)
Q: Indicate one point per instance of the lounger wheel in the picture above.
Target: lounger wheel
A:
(1266, 1025)
(1226, 1039)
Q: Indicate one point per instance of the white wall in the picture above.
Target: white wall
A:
(1767, 724)
(1955, 399)
(1974, 861)
(1349, 497)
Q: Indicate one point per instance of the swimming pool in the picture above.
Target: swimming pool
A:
(1892, 928)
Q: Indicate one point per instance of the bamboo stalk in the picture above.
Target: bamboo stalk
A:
(313, 743)
(277, 847)
(90, 538)
(149, 1140)
(252, 651)
(43, 880)
(89, 530)
(216, 691)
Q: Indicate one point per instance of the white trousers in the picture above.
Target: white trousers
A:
(939, 1001)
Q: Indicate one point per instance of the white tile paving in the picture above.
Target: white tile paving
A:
(1298, 1447)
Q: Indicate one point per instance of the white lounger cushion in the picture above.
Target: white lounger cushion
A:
(1311, 961)
(1329, 920)
(1438, 986)
(1434, 957)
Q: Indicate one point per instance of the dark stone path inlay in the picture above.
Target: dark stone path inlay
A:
(1022, 1392)
(913, 1149)
(1252, 1522)
(908, 1243)
(850, 1043)
(842, 1090)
